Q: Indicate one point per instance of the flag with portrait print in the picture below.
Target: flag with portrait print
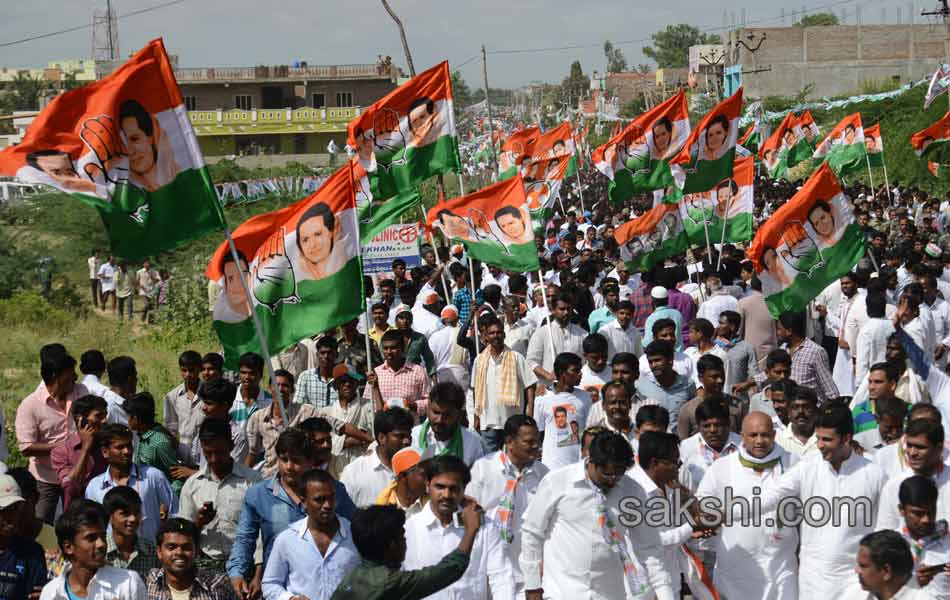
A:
(807, 244)
(302, 266)
(637, 160)
(932, 143)
(844, 147)
(939, 84)
(514, 150)
(725, 211)
(710, 151)
(493, 223)
(874, 142)
(409, 135)
(653, 237)
(751, 139)
(125, 146)
(774, 151)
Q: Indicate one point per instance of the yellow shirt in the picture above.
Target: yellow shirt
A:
(376, 335)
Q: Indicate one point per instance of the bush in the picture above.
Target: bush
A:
(31, 308)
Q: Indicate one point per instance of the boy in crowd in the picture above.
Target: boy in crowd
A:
(177, 548)
(562, 413)
(156, 446)
(78, 459)
(181, 406)
(126, 548)
(22, 560)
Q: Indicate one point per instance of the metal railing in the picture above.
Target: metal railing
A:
(278, 72)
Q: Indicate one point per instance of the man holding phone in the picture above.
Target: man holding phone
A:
(926, 535)
(212, 497)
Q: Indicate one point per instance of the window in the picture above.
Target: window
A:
(243, 102)
(191, 103)
(319, 100)
(344, 98)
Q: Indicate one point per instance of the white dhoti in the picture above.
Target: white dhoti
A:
(843, 373)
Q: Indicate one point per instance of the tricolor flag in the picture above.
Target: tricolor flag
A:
(557, 142)
(728, 205)
(809, 130)
(774, 153)
(874, 143)
(809, 242)
(652, 238)
(934, 168)
(929, 142)
(409, 135)
(709, 152)
(751, 139)
(939, 84)
(493, 223)
(542, 181)
(844, 147)
(638, 159)
(515, 149)
(301, 263)
(795, 143)
(124, 145)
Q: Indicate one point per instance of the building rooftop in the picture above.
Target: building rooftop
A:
(281, 73)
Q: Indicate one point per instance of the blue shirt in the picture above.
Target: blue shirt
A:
(665, 312)
(463, 301)
(22, 568)
(296, 566)
(671, 398)
(268, 510)
(152, 487)
(599, 318)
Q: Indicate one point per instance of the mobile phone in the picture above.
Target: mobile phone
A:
(935, 568)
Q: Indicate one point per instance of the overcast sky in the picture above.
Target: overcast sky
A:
(250, 32)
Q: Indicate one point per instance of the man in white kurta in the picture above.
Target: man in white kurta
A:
(827, 552)
(752, 561)
(561, 529)
(621, 334)
(491, 474)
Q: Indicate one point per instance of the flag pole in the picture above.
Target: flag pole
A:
(438, 261)
(257, 325)
(887, 184)
(491, 127)
(577, 174)
(544, 297)
(870, 177)
(722, 242)
(471, 270)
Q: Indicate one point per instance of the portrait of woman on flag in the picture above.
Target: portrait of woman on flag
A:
(514, 225)
(151, 160)
(320, 243)
(725, 192)
(232, 306)
(821, 217)
(714, 138)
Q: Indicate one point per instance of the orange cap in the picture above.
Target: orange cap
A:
(405, 459)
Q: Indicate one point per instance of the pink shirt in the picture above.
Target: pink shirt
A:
(40, 421)
(410, 383)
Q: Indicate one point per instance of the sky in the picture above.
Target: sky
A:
(206, 33)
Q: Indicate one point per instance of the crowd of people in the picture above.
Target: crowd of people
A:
(114, 286)
(580, 432)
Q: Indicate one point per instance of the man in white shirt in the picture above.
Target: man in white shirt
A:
(502, 384)
(752, 561)
(715, 441)
(621, 334)
(871, 342)
(562, 413)
(518, 329)
(578, 528)
(425, 318)
(885, 570)
(827, 550)
(436, 530)
(566, 336)
(718, 299)
(665, 330)
(94, 264)
(368, 475)
(147, 280)
(926, 535)
(799, 437)
(505, 482)
(106, 276)
(442, 432)
(451, 360)
(923, 450)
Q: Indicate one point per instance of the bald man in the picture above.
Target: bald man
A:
(753, 559)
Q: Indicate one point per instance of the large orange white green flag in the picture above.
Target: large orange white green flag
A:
(724, 212)
(808, 243)
(808, 128)
(515, 149)
(874, 142)
(637, 160)
(931, 143)
(409, 135)
(493, 223)
(653, 237)
(710, 151)
(844, 147)
(124, 145)
(301, 264)
(550, 159)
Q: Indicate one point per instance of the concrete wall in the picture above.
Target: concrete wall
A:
(838, 60)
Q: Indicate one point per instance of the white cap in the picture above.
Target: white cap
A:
(9, 492)
(659, 293)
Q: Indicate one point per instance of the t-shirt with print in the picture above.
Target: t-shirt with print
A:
(562, 416)
(22, 568)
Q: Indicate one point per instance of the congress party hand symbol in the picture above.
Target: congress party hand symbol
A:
(101, 135)
(274, 281)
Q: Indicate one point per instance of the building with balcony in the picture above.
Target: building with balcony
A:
(278, 109)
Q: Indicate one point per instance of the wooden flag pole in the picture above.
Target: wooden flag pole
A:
(257, 325)
(544, 297)
(491, 127)
(471, 276)
(438, 261)
(577, 174)
(870, 177)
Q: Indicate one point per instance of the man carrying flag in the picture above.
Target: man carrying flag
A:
(638, 159)
(493, 223)
(301, 264)
(806, 244)
(409, 135)
(124, 145)
(844, 148)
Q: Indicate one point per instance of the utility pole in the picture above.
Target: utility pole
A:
(402, 35)
(942, 11)
(491, 126)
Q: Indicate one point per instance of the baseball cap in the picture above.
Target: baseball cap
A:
(345, 370)
(405, 459)
(9, 492)
(431, 298)
(403, 308)
(659, 293)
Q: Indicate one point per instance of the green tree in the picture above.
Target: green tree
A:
(576, 85)
(670, 47)
(461, 93)
(23, 93)
(635, 107)
(616, 61)
(818, 20)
